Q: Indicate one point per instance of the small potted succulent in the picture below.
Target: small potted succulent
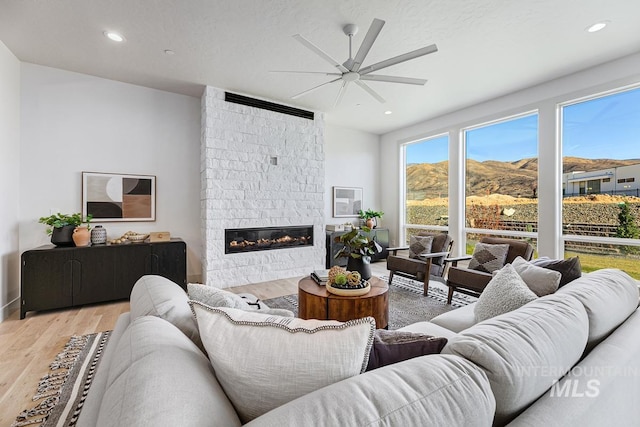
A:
(61, 227)
(369, 216)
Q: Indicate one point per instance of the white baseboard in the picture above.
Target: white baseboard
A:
(9, 308)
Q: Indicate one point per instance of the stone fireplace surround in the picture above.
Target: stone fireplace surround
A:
(259, 168)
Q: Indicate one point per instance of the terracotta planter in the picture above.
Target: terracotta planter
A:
(372, 223)
(81, 236)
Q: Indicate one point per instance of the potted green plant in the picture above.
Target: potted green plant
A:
(369, 216)
(61, 226)
(358, 248)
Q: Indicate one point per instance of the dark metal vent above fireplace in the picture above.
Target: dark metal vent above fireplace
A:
(267, 238)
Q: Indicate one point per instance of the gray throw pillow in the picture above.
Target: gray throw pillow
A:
(540, 280)
(488, 258)
(419, 245)
(505, 292)
(396, 346)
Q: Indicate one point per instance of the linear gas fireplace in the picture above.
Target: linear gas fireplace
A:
(266, 238)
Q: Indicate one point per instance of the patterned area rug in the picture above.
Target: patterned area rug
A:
(407, 305)
(61, 393)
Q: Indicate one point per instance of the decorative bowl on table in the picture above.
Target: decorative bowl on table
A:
(349, 290)
(136, 238)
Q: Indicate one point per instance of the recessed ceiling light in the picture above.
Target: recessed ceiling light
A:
(597, 26)
(169, 52)
(388, 112)
(114, 36)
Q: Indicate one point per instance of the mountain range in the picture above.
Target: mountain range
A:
(517, 178)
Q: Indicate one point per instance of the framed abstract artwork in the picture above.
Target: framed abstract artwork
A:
(347, 201)
(118, 197)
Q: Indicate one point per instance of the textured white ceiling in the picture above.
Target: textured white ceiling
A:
(487, 48)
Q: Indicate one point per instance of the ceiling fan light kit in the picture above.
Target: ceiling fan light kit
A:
(350, 71)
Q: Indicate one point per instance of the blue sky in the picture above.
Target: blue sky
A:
(607, 127)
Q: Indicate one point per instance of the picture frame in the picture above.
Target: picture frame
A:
(347, 201)
(113, 197)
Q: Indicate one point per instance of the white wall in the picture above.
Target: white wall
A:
(352, 159)
(544, 98)
(74, 122)
(9, 175)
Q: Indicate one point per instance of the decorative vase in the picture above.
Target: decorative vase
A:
(63, 236)
(81, 236)
(98, 235)
(362, 265)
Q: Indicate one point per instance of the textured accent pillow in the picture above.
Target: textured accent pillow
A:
(419, 245)
(215, 297)
(540, 280)
(570, 268)
(488, 258)
(504, 293)
(263, 361)
(396, 346)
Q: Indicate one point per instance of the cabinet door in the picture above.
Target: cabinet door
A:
(169, 259)
(94, 277)
(130, 261)
(46, 280)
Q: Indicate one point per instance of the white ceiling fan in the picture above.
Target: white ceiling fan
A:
(351, 71)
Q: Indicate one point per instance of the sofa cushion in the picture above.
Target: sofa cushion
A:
(488, 258)
(505, 292)
(524, 351)
(457, 320)
(542, 281)
(396, 346)
(609, 296)
(160, 378)
(569, 268)
(419, 245)
(434, 390)
(265, 361)
(160, 297)
(215, 297)
(429, 328)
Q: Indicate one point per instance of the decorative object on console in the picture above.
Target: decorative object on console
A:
(358, 248)
(61, 227)
(98, 235)
(81, 236)
(347, 201)
(159, 236)
(119, 197)
(370, 217)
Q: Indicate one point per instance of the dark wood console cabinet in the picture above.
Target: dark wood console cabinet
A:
(380, 235)
(58, 277)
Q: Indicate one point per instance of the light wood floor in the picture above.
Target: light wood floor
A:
(28, 346)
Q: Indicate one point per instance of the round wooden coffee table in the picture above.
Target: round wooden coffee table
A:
(314, 302)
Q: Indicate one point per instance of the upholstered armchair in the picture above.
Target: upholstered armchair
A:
(472, 282)
(427, 265)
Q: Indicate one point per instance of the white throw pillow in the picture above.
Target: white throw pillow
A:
(504, 293)
(541, 281)
(264, 361)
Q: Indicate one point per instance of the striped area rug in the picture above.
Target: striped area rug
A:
(61, 392)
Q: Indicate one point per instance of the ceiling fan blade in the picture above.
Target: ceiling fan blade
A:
(400, 58)
(305, 72)
(343, 89)
(312, 47)
(394, 79)
(312, 89)
(372, 92)
(369, 39)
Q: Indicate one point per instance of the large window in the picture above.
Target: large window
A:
(427, 184)
(601, 178)
(502, 176)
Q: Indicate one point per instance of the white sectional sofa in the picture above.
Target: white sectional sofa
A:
(571, 358)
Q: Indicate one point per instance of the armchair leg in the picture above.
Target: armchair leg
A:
(426, 284)
(450, 294)
(391, 276)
